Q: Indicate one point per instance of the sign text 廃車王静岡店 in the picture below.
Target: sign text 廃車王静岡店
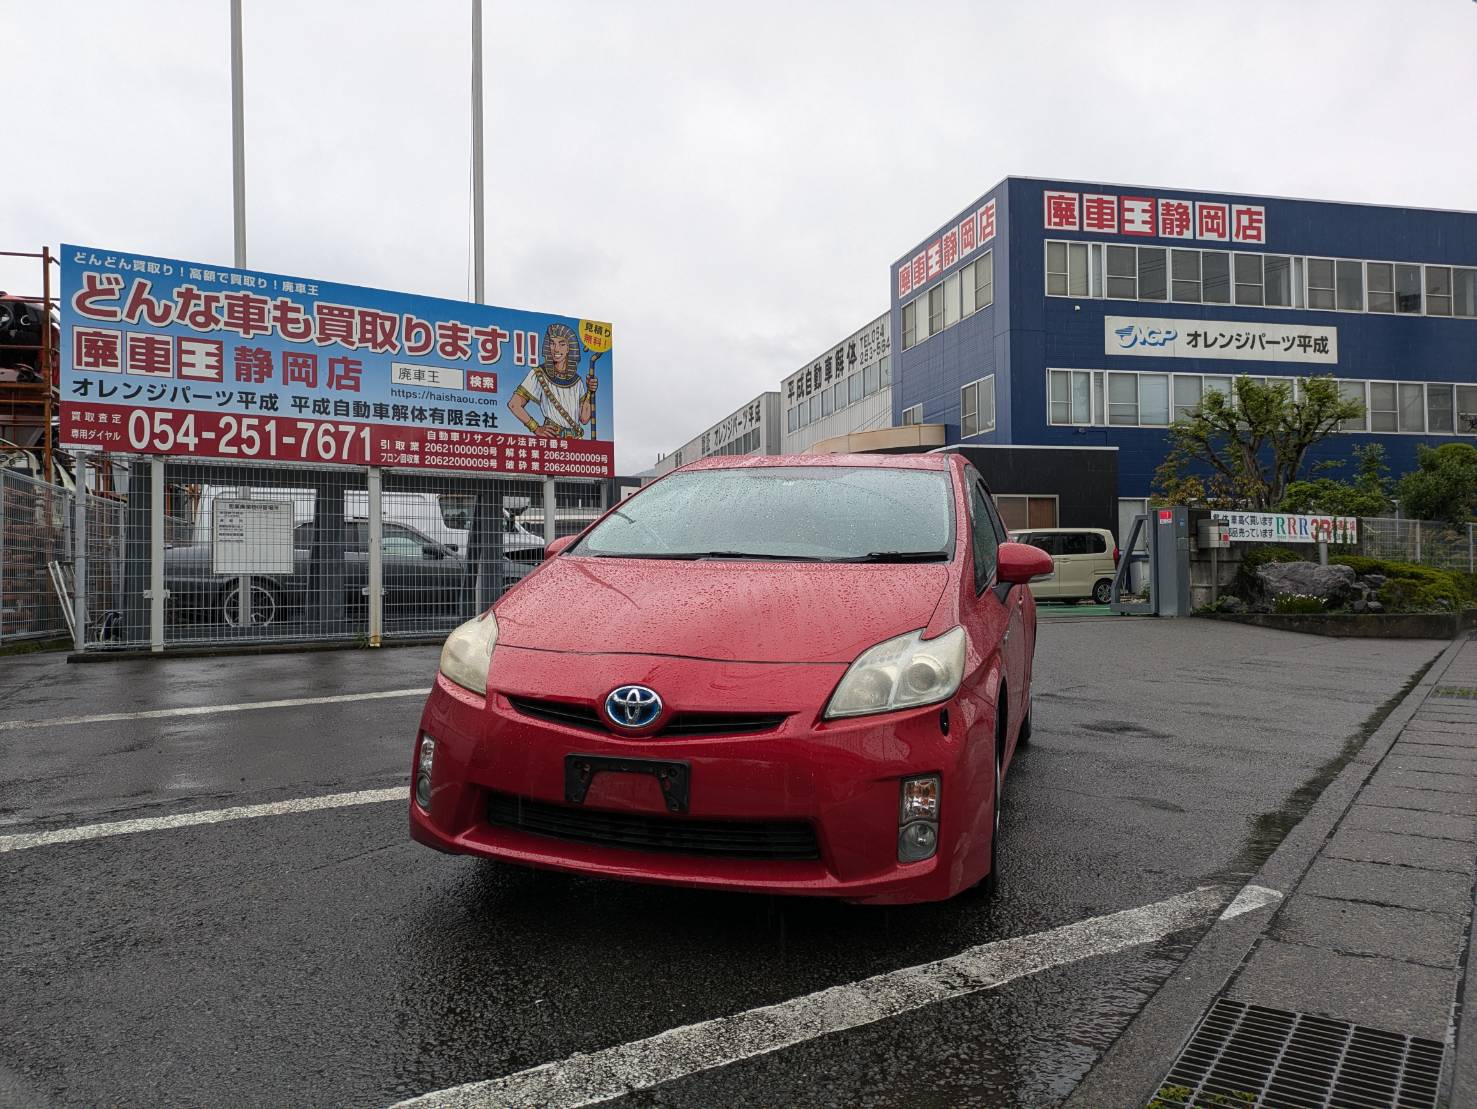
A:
(166, 357)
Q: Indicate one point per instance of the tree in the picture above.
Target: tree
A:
(1444, 484)
(1367, 495)
(1245, 452)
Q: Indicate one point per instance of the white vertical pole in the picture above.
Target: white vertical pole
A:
(1471, 551)
(156, 554)
(79, 556)
(551, 522)
(376, 523)
(238, 137)
(479, 292)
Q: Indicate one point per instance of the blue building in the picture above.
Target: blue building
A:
(1057, 313)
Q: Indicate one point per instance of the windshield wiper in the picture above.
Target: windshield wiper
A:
(900, 556)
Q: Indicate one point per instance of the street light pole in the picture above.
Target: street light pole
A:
(238, 137)
(479, 293)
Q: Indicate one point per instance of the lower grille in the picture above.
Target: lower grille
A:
(771, 840)
(1248, 1055)
(681, 724)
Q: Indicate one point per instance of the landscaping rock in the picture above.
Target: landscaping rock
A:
(1375, 581)
(1360, 606)
(1334, 584)
(1375, 606)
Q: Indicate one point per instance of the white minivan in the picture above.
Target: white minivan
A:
(1083, 561)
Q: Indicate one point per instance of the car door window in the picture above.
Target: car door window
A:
(1048, 542)
(1096, 544)
(400, 546)
(1073, 544)
(986, 541)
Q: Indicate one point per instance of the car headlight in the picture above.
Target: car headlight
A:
(901, 673)
(468, 652)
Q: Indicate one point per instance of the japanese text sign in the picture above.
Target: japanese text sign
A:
(1154, 337)
(1281, 527)
(251, 537)
(956, 244)
(1154, 217)
(161, 356)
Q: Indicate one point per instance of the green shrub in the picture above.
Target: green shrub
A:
(1296, 604)
(1412, 588)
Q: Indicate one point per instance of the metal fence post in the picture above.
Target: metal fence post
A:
(79, 556)
(1471, 552)
(376, 520)
(1417, 541)
(156, 554)
(551, 502)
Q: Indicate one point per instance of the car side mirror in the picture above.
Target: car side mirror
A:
(559, 545)
(1018, 563)
(433, 552)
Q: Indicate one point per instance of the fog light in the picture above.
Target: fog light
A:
(423, 772)
(920, 799)
(917, 841)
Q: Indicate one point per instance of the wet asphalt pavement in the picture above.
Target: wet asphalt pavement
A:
(321, 958)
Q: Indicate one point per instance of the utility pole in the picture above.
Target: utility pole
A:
(479, 292)
(238, 137)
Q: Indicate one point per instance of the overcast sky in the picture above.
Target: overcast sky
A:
(726, 183)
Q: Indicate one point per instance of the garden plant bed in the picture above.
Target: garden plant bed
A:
(1383, 625)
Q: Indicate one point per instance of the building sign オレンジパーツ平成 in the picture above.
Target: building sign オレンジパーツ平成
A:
(1154, 217)
(1153, 337)
(166, 357)
(1281, 527)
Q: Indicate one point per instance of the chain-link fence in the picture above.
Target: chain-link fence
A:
(35, 557)
(252, 554)
(1426, 542)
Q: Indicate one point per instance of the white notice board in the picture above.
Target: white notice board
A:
(251, 537)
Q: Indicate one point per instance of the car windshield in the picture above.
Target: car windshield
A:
(801, 513)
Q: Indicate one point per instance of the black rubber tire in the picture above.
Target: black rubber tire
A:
(1023, 739)
(266, 605)
(1102, 591)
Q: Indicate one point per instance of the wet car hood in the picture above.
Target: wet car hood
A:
(717, 609)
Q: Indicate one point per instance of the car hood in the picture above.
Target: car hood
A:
(730, 611)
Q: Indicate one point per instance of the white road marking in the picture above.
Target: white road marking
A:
(1250, 899)
(25, 840)
(207, 710)
(602, 1075)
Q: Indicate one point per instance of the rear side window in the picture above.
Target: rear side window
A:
(1096, 544)
(1048, 542)
(986, 541)
(1074, 543)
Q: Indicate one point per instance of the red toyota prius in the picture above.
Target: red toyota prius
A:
(799, 675)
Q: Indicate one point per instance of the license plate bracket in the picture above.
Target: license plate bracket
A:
(674, 778)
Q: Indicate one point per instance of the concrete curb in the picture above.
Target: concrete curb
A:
(134, 654)
(1130, 1071)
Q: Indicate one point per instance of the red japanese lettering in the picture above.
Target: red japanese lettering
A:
(246, 314)
(418, 335)
(291, 322)
(344, 373)
(97, 349)
(379, 331)
(950, 246)
(201, 359)
(142, 307)
(97, 299)
(920, 269)
(253, 365)
(904, 279)
(1175, 219)
(336, 323)
(969, 235)
(490, 342)
(1138, 215)
(197, 310)
(1211, 221)
(935, 259)
(1249, 223)
(1061, 211)
(1100, 213)
(151, 355)
(453, 340)
(987, 222)
(300, 367)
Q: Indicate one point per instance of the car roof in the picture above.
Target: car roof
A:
(1033, 531)
(876, 461)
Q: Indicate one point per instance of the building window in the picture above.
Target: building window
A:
(1321, 284)
(1407, 289)
(1154, 399)
(1023, 512)
(1438, 290)
(910, 324)
(854, 388)
(1439, 412)
(977, 407)
(1381, 281)
(1383, 411)
(1277, 280)
(886, 365)
(935, 310)
(951, 300)
(1350, 279)
(1122, 273)
(1184, 267)
(1071, 396)
(1123, 399)
(1217, 383)
(792, 419)
(871, 379)
(984, 281)
(1466, 409)
(913, 415)
(1187, 390)
(1151, 273)
(1464, 293)
(1216, 268)
(1066, 269)
(1248, 269)
(1412, 407)
(1354, 390)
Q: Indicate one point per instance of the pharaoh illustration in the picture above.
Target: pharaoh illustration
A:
(565, 403)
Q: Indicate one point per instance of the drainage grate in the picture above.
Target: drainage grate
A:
(1467, 691)
(1245, 1055)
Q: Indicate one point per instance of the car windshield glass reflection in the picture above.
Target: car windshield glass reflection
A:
(801, 513)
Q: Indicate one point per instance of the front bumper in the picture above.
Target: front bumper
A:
(841, 778)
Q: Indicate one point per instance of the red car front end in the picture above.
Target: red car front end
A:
(729, 768)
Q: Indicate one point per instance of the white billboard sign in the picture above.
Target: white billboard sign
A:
(1156, 337)
(251, 537)
(1283, 527)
